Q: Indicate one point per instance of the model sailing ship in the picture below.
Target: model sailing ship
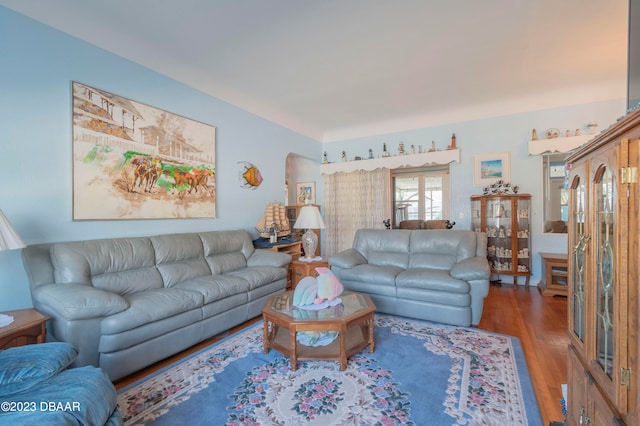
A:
(274, 223)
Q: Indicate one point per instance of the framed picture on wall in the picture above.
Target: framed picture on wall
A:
(135, 161)
(488, 168)
(305, 193)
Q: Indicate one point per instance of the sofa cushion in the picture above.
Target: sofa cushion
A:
(151, 305)
(179, 257)
(431, 279)
(441, 249)
(119, 265)
(225, 262)
(385, 248)
(26, 366)
(258, 276)
(215, 287)
(371, 274)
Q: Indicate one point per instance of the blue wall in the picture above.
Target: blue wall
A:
(38, 66)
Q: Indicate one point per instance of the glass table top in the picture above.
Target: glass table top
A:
(352, 303)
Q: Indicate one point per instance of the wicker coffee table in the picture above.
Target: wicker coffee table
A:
(352, 319)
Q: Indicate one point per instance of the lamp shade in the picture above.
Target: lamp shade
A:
(309, 218)
(9, 238)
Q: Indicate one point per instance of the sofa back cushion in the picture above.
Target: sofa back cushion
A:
(226, 251)
(179, 257)
(383, 247)
(441, 249)
(119, 265)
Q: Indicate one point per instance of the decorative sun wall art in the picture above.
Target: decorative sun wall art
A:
(134, 161)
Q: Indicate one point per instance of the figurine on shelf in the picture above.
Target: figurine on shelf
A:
(385, 153)
(433, 146)
(534, 135)
(413, 149)
(577, 132)
(370, 154)
(401, 149)
(344, 156)
(567, 133)
(453, 142)
(324, 158)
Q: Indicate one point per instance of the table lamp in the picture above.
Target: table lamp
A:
(9, 238)
(309, 219)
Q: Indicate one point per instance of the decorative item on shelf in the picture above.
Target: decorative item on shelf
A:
(370, 154)
(344, 156)
(309, 219)
(420, 149)
(534, 135)
(9, 238)
(401, 149)
(273, 223)
(453, 142)
(385, 153)
(592, 127)
(553, 133)
(433, 146)
(413, 149)
(567, 133)
(324, 158)
(500, 187)
(577, 133)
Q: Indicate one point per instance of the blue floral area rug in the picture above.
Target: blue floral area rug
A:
(421, 373)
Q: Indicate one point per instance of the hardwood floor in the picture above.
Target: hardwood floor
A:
(539, 322)
(541, 325)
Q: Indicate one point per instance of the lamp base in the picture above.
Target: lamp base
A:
(309, 244)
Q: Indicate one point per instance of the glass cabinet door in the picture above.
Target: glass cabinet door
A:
(580, 240)
(498, 219)
(605, 229)
(523, 255)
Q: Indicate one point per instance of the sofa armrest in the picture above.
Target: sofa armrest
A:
(269, 258)
(347, 259)
(73, 301)
(472, 268)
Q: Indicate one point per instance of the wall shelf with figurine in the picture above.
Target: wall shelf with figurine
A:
(393, 162)
(557, 145)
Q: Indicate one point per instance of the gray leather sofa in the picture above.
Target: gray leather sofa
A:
(126, 303)
(435, 275)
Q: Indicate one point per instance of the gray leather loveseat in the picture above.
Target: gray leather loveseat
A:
(436, 275)
(126, 303)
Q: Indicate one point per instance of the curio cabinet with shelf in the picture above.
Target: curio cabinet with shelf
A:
(603, 278)
(505, 218)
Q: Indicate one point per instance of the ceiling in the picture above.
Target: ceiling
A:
(342, 69)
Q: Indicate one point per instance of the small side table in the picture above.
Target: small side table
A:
(28, 327)
(301, 269)
(555, 275)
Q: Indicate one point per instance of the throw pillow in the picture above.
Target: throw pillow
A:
(25, 366)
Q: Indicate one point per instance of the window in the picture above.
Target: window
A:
(420, 193)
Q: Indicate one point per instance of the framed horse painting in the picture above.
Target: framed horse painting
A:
(134, 161)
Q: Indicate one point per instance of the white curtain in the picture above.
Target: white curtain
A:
(355, 200)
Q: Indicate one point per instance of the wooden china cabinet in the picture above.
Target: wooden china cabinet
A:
(505, 220)
(603, 278)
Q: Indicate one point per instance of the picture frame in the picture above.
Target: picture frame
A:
(135, 161)
(489, 168)
(305, 193)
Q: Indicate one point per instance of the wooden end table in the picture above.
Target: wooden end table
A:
(28, 327)
(352, 319)
(556, 275)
